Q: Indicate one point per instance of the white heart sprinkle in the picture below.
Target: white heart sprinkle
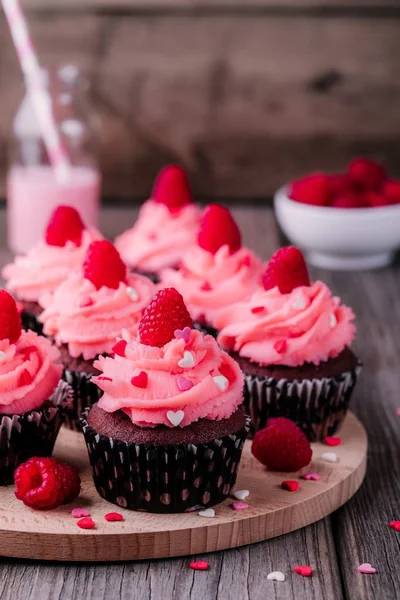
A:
(132, 293)
(276, 576)
(221, 382)
(2, 355)
(175, 417)
(240, 494)
(332, 321)
(208, 513)
(299, 303)
(330, 457)
(187, 362)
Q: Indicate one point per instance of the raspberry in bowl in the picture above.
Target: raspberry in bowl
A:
(292, 341)
(48, 263)
(32, 395)
(167, 434)
(166, 227)
(86, 314)
(345, 221)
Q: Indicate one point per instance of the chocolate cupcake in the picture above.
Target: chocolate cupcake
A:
(166, 227)
(168, 432)
(32, 397)
(48, 263)
(217, 271)
(292, 340)
(87, 313)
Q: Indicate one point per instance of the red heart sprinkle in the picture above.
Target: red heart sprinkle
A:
(290, 486)
(305, 571)
(200, 565)
(280, 346)
(332, 441)
(246, 262)
(114, 516)
(140, 380)
(257, 309)
(206, 287)
(85, 302)
(395, 525)
(104, 378)
(25, 378)
(86, 523)
(119, 348)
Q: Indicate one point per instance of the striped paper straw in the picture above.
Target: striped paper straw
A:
(38, 92)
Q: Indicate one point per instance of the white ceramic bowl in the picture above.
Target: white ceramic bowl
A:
(339, 238)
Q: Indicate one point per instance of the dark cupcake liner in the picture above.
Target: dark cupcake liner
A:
(206, 329)
(85, 393)
(318, 406)
(149, 274)
(31, 434)
(164, 478)
(29, 321)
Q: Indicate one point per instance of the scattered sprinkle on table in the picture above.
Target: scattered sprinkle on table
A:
(240, 494)
(114, 516)
(239, 505)
(332, 441)
(86, 523)
(290, 486)
(366, 569)
(78, 513)
(303, 570)
(330, 457)
(311, 477)
(276, 576)
(395, 525)
(200, 565)
(208, 513)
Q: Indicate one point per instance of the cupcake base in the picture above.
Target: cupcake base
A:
(29, 316)
(163, 470)
(314, 397)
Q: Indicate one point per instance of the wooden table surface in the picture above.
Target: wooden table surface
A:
(335, 546)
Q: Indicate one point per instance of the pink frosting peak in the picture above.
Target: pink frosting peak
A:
(159, 238)
(28, 373)
(211, 282)
(43, 269)
(88, 319)
(187, 379)
(309, 325)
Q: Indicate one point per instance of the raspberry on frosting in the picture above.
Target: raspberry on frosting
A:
(165, 314)
(217, 229)
(10, 318)
(172, 188)
(287, 270)
(103, 265)
(65, 225)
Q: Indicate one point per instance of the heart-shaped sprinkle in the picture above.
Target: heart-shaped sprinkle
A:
(221, 382)
(276, 576)
(332, 321)
(206, 287)
(183, 334)
(2, 355)
(86, 523)
(311, 477)
(25, 378)
(78, 513)
(175, 417)
(299, 303)
(103, 378)
(187, 362)
(257, 309)
(132, 293)
(239, 505)
(141, 380)
(85, 302)
(305, 571)
(366, 569)
(246, 262)
(280, 346)
(330, 440)
(114, 516)
(199, 565)
(329, 457)
(183, 384)
(395, 525)
(240, 494)
(208, 513)
(119, 348)
(290, 486)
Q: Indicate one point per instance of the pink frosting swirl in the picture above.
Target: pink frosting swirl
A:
(309, 325)
(28, 373)
(210, 386)
(90, 320)
(45, 267)
(210, 282)
(159, 238)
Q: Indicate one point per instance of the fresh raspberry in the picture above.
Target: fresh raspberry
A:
(103, 265)
(45, 483)
(376, 199)
(338, 183)
(313, 189)
(65, 225)
(391, 191)
(165, 314)
(287, 270)
(349, 199)
(366, 174)
(10, 318)
(172, 188)
(218, 229)
(282, 446)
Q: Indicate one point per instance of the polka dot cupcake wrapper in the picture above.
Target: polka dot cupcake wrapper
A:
(84, 395)
(318, 406)
(165, 478)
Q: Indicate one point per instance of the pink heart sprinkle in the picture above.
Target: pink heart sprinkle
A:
(206, 287)
(103, 378)
(78, 513)
(183, 384)
(239, 505)
(86, 302)
(257, 309)
(366, 569)
(311, 477)
(183, 334)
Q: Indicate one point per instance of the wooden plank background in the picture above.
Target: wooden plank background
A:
(245, 94)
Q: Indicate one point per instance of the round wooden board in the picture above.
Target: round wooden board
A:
(54, 535)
